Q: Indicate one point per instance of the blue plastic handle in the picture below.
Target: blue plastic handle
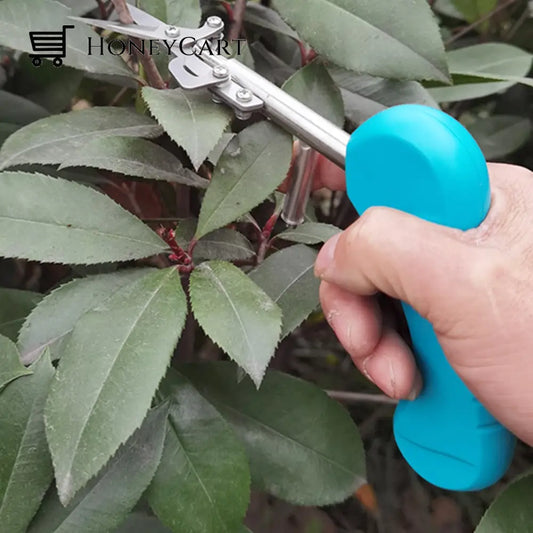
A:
(422, 161)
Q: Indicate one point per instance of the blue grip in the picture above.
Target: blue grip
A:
(422, 161)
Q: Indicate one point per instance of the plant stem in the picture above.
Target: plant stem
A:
(481, 20)
(238, 16)
(358, 397)
(264, 238)
(152, 73)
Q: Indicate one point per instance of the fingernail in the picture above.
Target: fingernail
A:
(326, 255)
(380, 370)
(417, 387)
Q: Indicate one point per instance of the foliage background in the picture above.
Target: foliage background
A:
(158, 170)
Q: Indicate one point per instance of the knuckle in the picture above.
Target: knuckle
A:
(367, 227)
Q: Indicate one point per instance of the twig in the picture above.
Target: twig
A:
(358, 397)
(238, 16)
(102, 8)
(483, 19)
(264, 238)
(518, 24)
(152, 73)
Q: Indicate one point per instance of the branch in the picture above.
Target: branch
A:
(481, 20)
(357, 397)
(238, 15)
(152, 73)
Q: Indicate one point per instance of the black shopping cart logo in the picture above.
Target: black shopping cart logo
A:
(50, 45)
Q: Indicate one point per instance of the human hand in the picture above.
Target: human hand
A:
(475, 287)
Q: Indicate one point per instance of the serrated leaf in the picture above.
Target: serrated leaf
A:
(192, 120)
(10, 366)
(313, 86)
(88, 419)
(364, 95)
(302, 446)
(79, 7)
(18, 110)
(67, 304)
(221, 145)
(19, 17)
(236, 314)
(224, 244)
(25, 466)
(52, 140)
(133, 157)
(511, 512)
(184, 13)
(54, 220)
(288, 278)
(405, 39)
(6, 130)
(108, 499)
(200, 486)
(15, 306)
(310, 233)
(500, 135)
(245, 175)
(484, 69)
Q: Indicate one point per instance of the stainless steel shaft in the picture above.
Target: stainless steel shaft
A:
(289, 113)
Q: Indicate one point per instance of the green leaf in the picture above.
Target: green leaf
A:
(25, 466)
(246, 174)
(473, 10)
(6, 130)
(133, 157)
(79, 7)
(19, 17)
(48, 86)
(58, 221)
(191, 119)
(184, 13)
(18, 110)
(10, 366)
(500, 135)
(108, 499)
(87, 419)
(399, 39)
(288, 278)
(484, 69)
(446, 7)
(310, 233)
(313, 86)
(264, 17)
(511, 512)
(15, 305)
(225, 244)
(236, 314)
(67, 304)
(203, 482)
(302, 446)
(52, 140)
(364, 95)
(142, 523)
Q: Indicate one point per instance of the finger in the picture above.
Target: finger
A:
(356, 320)
(396, 253)
(381, 355)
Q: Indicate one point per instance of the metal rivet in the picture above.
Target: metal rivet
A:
(243, 115)
(244, 95)
(214, 22)
(220, 72)
(172, 31)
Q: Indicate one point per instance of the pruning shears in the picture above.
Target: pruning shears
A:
(413, 158)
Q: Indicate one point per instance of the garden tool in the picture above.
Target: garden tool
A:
(410, 157)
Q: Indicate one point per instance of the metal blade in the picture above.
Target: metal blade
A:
(133, 30)
(143, 18)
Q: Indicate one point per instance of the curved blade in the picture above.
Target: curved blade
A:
(143, 18)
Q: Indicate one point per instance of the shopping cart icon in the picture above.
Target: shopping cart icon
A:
(50, 45)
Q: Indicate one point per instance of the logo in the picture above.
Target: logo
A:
(50, 45)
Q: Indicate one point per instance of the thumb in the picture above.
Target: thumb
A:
(390, 251)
